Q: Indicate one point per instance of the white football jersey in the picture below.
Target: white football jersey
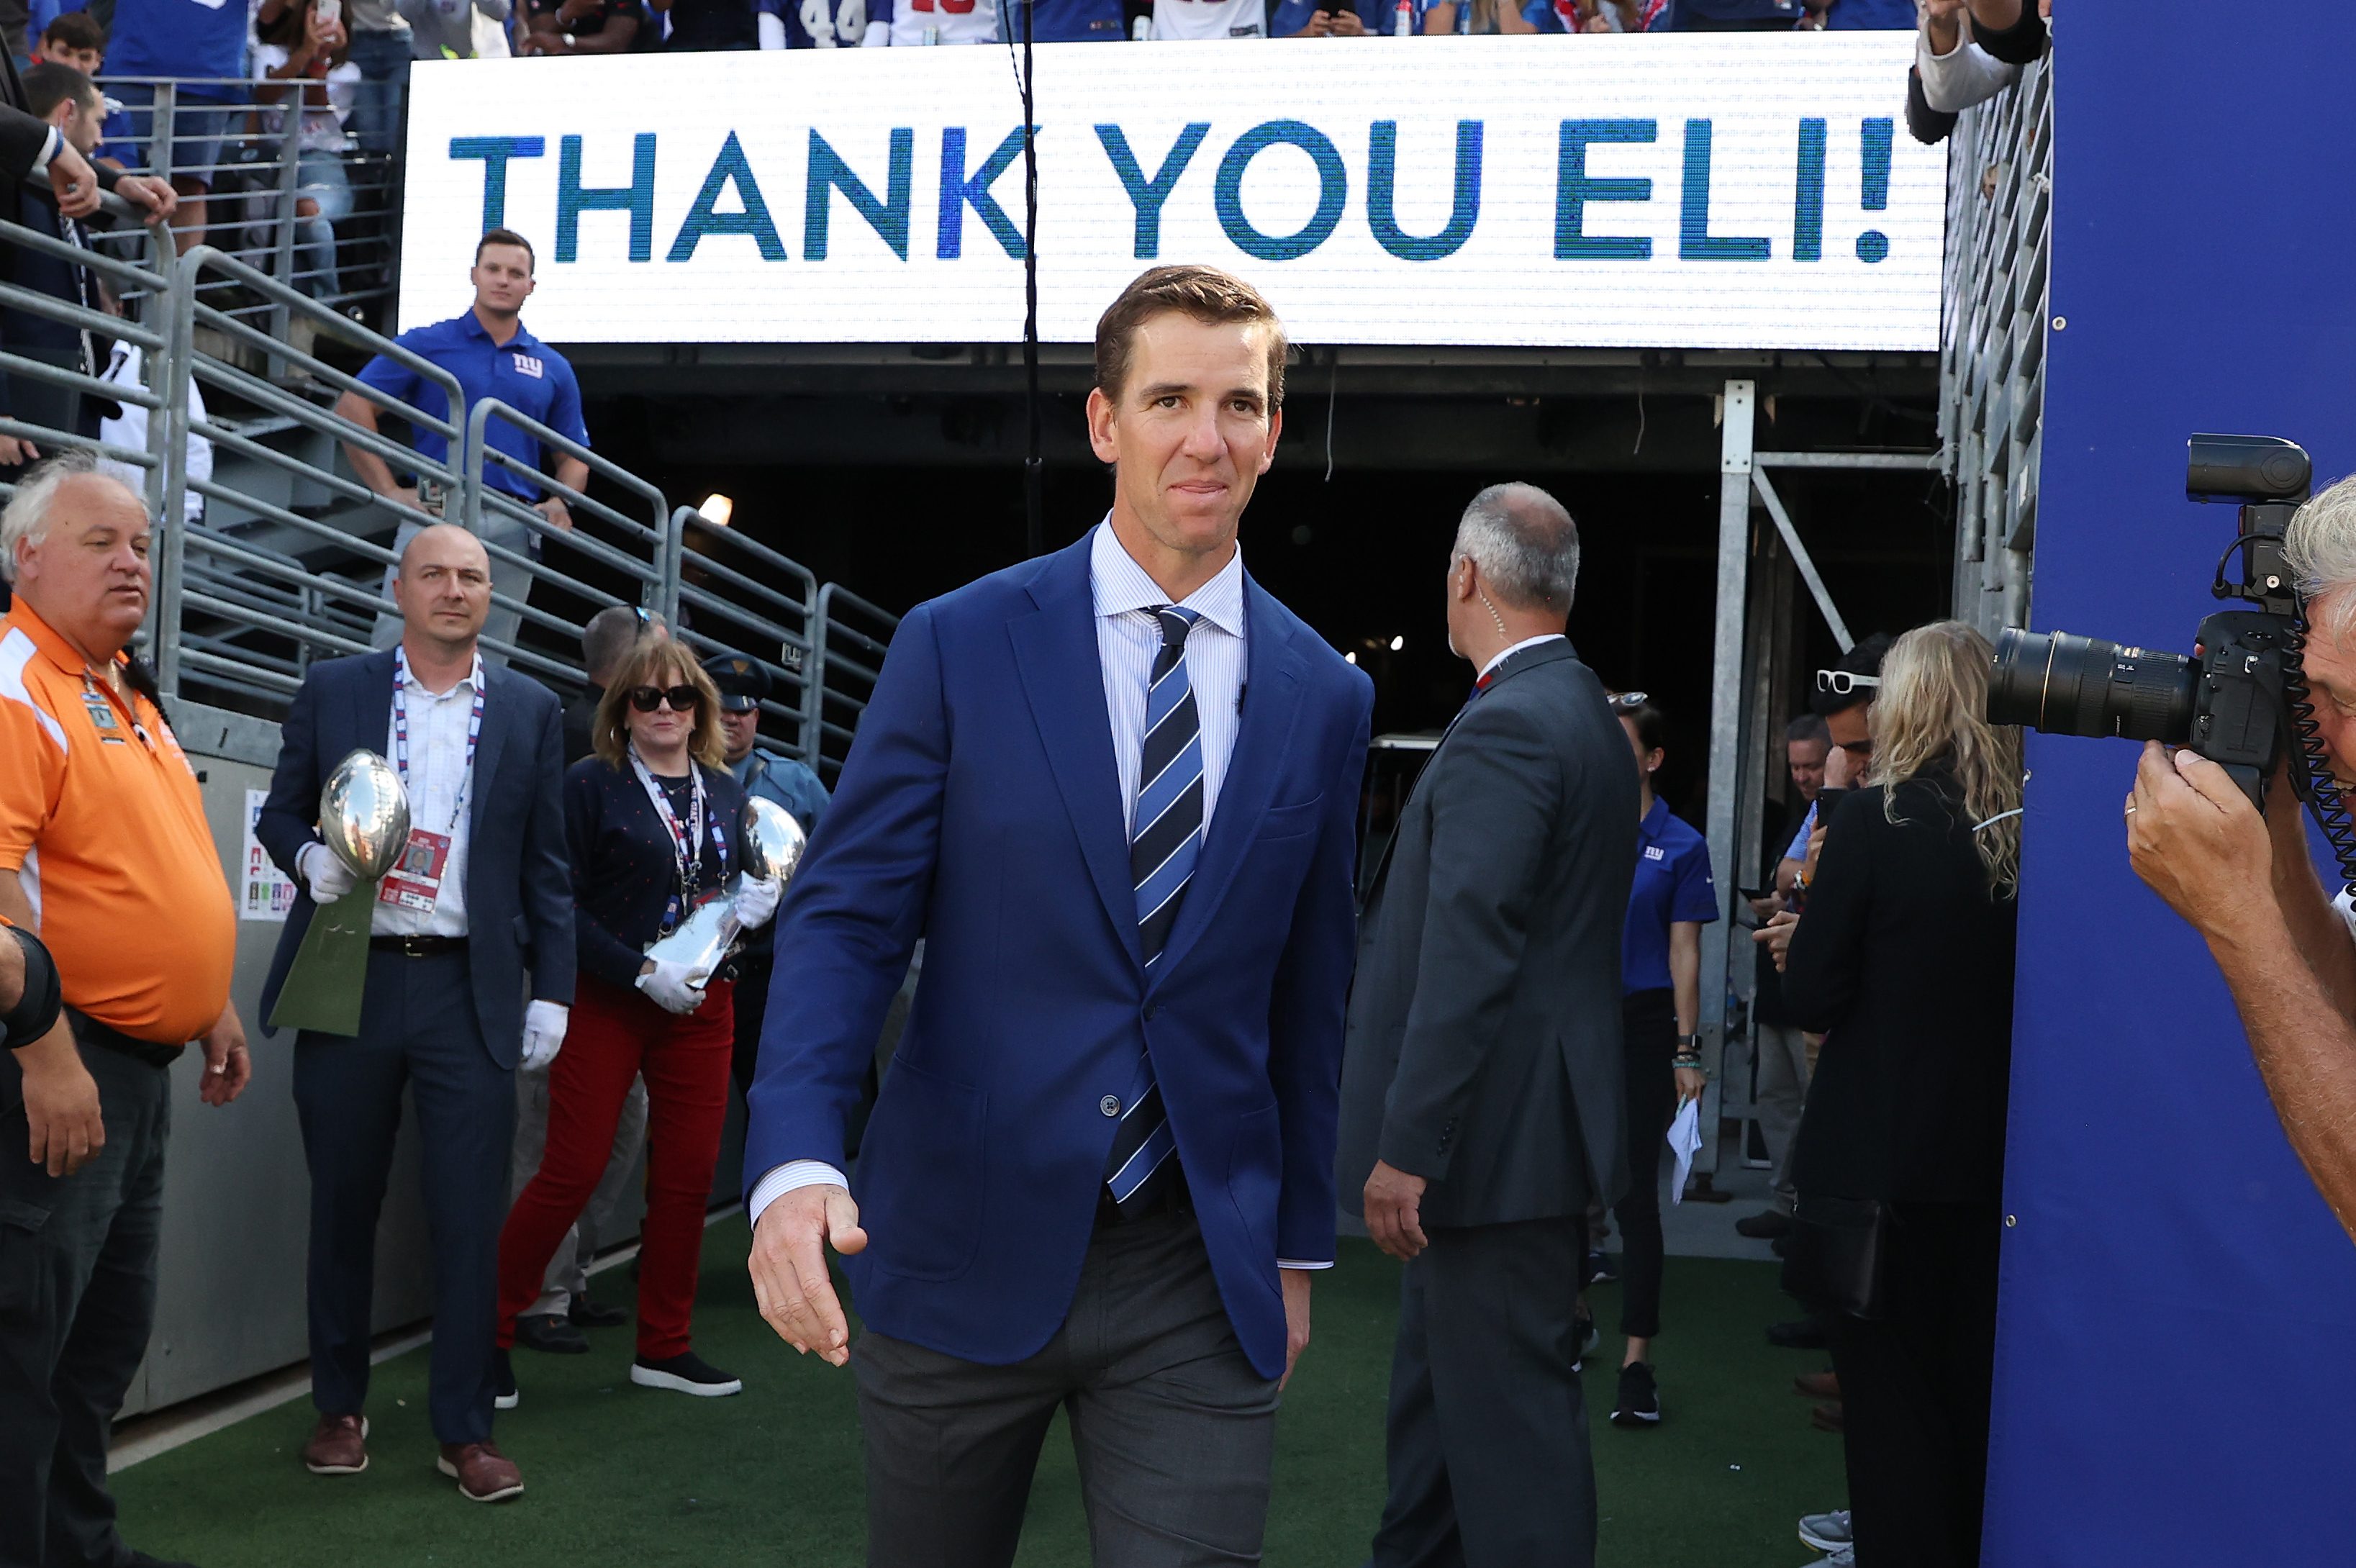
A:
(1210, 18)
(946, 22)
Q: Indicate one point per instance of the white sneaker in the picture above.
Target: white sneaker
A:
(1845, 1557)
(1826, 1532)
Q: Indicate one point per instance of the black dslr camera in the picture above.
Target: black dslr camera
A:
(2240, 700)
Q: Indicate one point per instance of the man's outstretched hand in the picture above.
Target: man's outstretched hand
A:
(788, 1266)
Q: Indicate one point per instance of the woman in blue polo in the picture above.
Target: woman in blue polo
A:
(1660, 963)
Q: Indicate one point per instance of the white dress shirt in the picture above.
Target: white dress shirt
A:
(437, 792)
(1517, 647)
(1129, 638)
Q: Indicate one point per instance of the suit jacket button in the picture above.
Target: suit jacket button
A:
(1149, 1010)
(1109, 1105)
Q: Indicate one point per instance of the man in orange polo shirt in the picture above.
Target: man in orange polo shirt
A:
(104, 851)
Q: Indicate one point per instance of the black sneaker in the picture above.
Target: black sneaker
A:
(1640, 1397)
(504, 1395)
(686, 1373)
(552, 1335)
(1583, 1337)
(1600, 1268)
(588, 1311)
(1764, 1225)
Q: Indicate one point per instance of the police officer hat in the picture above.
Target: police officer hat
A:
(742, 682)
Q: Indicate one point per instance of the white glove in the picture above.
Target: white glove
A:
(543, 1033)
(673, 986)
(756, 902)
(328, 877)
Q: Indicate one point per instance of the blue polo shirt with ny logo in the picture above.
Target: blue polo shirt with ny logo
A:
(523, 372)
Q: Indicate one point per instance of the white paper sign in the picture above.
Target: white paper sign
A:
(1707, 190)
(265, 893)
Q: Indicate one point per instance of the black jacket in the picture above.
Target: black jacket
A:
(624, 870)
(1484, 1043)
(1904, 961)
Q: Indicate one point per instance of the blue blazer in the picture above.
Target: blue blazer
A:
(981, 810)
(519, 889)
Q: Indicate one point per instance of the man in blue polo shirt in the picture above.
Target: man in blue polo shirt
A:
(490, 355)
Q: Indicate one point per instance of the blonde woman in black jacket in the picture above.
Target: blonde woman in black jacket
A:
(1904, 961)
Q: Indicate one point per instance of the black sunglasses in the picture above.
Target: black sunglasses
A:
(682, 699)
(1629, 701)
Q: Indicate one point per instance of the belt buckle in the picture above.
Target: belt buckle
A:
(413, 947)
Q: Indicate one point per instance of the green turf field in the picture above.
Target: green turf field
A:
(621, 1475)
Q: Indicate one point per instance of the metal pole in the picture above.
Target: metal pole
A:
(1801, 558)
(1726, 694)
(172, 420)
(290, 156)
(1034, 523)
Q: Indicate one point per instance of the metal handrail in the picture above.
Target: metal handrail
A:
(660, 531)
(780, 614)
(832, 634)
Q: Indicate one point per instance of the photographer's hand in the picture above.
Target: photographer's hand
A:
(2199, 843)
(2196, 840)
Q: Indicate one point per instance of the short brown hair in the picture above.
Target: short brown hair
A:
(75, 30)
(1211, 296)
(659, 661)
(48, 84)
(505, 236)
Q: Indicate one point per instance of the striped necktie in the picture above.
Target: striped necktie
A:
(1166, 839)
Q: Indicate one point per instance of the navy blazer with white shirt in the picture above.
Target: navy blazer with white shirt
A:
(981, 810)
(519, 889)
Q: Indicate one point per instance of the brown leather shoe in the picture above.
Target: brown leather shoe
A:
(484, 1474)
(1817, 1385)
(1827, 1418)
(338, 1447)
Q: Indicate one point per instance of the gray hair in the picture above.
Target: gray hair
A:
(1525, 544)
(28, 515)
(2320, 547)
(612, 632)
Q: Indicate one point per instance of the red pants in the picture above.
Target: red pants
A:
(614, 1036)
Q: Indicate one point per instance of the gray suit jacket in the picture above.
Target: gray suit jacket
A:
(1484, 1043)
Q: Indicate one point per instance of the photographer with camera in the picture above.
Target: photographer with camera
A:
(2242, 877)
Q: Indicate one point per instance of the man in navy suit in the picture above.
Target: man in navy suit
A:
(481, 899)
(1115, 790)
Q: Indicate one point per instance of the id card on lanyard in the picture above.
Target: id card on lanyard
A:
(686, 841)
(415, 880)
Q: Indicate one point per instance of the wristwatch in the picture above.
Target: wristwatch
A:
(1688, 1044)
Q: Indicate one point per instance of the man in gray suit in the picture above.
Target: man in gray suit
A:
(1482, 1091)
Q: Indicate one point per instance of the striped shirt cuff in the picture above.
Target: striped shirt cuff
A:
(784, 1178)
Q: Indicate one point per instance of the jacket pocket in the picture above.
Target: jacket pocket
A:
(922, 1165)
(1291, 821)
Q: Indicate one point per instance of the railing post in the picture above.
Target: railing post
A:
(674, 561)
(170, 425)
(290, 156)
(814, 678)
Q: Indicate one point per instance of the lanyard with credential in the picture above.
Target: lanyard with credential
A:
(686, 838)
(401, 733)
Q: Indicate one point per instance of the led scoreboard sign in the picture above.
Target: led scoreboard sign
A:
(1751, 191)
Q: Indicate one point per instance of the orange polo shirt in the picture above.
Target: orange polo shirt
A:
(102, 821)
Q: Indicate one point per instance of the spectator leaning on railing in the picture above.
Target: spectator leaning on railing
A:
(490, 355)
(1953, 70)
(298, 44)
(31, 148)
(203, 48)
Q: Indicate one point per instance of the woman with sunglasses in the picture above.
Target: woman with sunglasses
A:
(654, 825)
(1670, 900)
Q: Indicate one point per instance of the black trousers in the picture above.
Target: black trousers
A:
(417, 1030)
(1175, 1430)
(1649, 1030)
(1915, 1388)
(1486, 1433)
(76, 1301)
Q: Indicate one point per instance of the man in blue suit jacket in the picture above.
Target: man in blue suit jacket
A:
(1115, 790)
(481, 754)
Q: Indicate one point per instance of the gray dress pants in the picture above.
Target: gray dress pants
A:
(1173, 1429)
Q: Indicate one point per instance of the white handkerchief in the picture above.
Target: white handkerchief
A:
(1684, 1141)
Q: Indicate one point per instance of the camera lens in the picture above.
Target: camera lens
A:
(2081, 685)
